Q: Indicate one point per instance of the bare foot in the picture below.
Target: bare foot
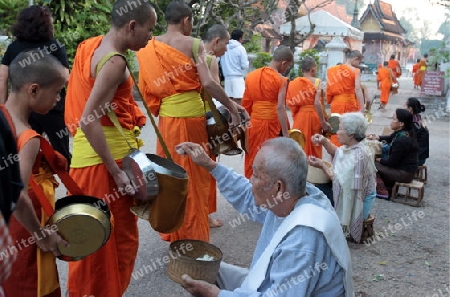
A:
(213, 223)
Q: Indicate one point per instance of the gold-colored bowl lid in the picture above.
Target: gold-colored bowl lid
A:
(298, 136)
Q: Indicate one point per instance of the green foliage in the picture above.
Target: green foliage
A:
(254, 44)
(262, 59)
(308, 53)
(77, 20)
(9, 9)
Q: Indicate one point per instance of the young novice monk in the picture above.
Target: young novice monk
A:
(36, 82)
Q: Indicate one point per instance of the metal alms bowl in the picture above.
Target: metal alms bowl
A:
(141, 172)
(334, 122)
(165, 166)
(83, 221)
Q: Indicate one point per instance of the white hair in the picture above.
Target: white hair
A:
(354, 124)
(287, 163)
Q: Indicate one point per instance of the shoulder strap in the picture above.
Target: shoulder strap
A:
(105, 59)
(195, 49)
(204, 94)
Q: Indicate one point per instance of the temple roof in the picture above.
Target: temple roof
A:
(385, 17)
(268, 32)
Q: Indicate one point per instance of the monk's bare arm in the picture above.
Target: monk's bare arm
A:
(214, 69)
(281, 109)
(24, 211)
(3, 83)
(358, 90)
(319, 109)
(106, 83)
(214, 88)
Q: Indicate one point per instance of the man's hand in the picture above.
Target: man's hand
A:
(326, 126)
(197, 154)
(123, 182)
(200, 288)
(50, 242)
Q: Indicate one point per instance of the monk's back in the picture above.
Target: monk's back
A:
(179, 42)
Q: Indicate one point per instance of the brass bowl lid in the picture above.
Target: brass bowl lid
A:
(84, 226)
(298, 136)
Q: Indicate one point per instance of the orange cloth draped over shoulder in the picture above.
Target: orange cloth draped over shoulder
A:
(341, 92)
(415, 71)
(34, 273)
(300, 100)
(170, 85)
(107, 272)
(421, 71)
(394, 65)
(385, 78)
(260, 100)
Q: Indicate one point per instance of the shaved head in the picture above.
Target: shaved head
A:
(35, 67)
(176, 11)
(125, 11)
(216, 31)
(283, 53)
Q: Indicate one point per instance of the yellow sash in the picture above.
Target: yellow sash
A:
(182, 105)
(46, 262)
(84, 155)
(264, 110)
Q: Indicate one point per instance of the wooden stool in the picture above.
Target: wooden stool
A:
(421, 174)
(407, 197)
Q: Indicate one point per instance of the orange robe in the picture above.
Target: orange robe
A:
(415, 71)
(421, 71)
(394, 65)
(300, 100)
(24, 271)
(260, 100)
(107, 272)
(164, 73)
(341, 94)
(385, 78)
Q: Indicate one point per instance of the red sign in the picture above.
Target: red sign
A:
(433, 83)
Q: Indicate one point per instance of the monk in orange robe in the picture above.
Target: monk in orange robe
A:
(394, 65)
(385, 78)
(99, 102)
(415, 71)
(422, 69)
(265, 101)
(344, 91)
(170, 82)
(304, 101)
(34, 272)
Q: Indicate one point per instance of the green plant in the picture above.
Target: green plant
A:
(78, 20)
(308, 53)
(262, 59)
(9, 9)
(254, 44)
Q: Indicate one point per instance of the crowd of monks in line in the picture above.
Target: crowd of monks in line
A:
(99, 77)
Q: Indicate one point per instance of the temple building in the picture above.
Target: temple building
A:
(383, 35)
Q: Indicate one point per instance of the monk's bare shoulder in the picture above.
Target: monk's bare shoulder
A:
(179, 42)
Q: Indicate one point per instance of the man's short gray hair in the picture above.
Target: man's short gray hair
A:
(354, 124)
(286, 163)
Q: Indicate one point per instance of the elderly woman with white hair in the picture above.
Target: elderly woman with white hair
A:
(353, 174)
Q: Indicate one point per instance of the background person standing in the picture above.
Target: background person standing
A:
(34, 30)
(234, 63)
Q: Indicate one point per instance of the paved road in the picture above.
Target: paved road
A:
(237, 237)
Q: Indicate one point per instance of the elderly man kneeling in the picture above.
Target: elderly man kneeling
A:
(301, 250)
